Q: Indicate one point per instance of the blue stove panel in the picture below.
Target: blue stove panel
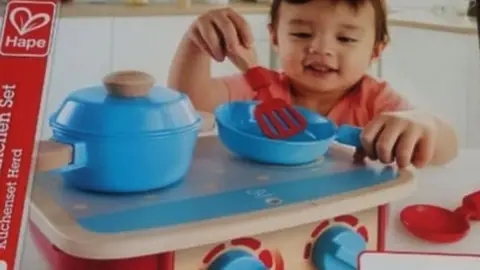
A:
(218, 185)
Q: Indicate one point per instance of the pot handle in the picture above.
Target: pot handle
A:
(59, 157)
(208, 122)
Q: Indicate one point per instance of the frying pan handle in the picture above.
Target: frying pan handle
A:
(471, 206)
(349, 135)
(58, 157)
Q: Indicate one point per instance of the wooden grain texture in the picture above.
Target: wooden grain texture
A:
(53, 155)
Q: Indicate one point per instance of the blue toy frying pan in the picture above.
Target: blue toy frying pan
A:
(239, 132)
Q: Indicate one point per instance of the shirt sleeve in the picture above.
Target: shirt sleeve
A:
(238, 87)
(388, 100)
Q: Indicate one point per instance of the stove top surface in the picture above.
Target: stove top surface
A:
(218, 185)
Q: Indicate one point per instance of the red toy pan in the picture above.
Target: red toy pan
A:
(439, 225)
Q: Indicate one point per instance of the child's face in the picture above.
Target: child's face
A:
(323, 46)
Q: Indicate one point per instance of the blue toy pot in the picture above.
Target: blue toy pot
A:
(125, 136)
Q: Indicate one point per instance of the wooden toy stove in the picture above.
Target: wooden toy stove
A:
(227, 214)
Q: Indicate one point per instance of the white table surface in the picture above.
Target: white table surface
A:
(444, 186)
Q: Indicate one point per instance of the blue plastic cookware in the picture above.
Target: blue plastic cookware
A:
(239, 132)
(123, 136)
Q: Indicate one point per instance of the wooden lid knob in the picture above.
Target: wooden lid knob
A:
(128, 83)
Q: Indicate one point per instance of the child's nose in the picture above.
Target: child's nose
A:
(321, 46)
(324, 52)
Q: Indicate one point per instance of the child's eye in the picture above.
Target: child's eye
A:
(301, 35)
(346, 40)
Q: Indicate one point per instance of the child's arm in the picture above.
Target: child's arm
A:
(433, 140)
(190, 73)
(446, 148)
(217, 34)
(409, 136)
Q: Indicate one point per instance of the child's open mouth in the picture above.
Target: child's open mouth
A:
(320, 70)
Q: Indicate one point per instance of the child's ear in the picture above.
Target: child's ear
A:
(273, 37)
(378, 50)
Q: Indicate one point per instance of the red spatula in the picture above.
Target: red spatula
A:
(277, 119)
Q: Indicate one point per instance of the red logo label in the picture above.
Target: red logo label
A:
(24, 49)
(27, 28)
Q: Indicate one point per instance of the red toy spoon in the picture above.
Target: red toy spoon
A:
(435, 224)
(276, 118)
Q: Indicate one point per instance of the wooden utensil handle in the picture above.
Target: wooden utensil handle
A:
(128, 83)
(208, 122)
(52, 155)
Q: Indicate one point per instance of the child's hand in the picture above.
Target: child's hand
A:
(223, 33)
(405, 137)
(243, 58)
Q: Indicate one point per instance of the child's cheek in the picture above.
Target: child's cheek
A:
(290, 64)
(292, 59)
(356, 65)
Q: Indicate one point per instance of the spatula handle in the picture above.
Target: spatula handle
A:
(259, 79)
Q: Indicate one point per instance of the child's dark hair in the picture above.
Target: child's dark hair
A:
(379, 6)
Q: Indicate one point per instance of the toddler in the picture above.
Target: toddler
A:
(325, 48)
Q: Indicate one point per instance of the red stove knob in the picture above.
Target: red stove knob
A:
(237, 260)
(337, 248)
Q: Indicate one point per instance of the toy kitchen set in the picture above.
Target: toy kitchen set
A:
(134, 177)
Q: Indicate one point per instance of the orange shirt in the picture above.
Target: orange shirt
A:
(358, 107)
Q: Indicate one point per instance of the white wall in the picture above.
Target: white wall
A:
(425, 3)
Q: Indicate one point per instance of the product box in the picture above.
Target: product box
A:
(25, 47)
(103, 165)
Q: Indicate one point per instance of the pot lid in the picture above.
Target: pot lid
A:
(127, 103)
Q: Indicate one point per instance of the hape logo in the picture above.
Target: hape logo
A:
(26, 22)
(27, 28)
